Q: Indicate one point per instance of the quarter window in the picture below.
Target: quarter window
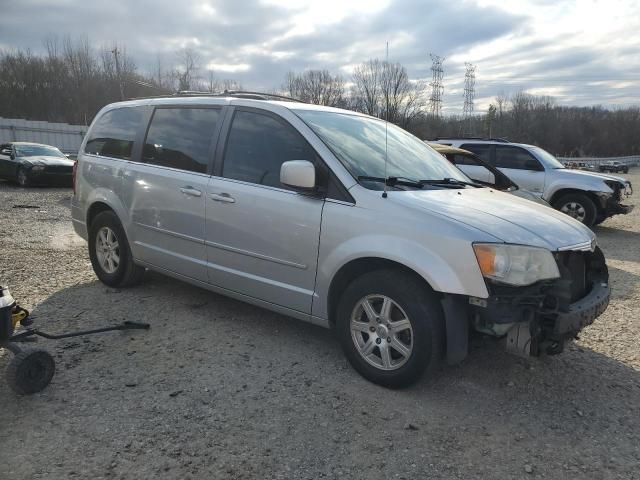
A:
(181, 138)
(258, 145)
(114, 132)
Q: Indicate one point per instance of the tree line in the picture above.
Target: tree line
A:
(70, 82)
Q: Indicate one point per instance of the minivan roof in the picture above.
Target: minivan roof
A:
(231, 100)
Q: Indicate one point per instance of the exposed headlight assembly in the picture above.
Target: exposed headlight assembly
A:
(515, 264)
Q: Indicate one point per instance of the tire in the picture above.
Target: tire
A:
(578, 206)
(412, 300)
(111, 259)
(22, 177)
(30, 371)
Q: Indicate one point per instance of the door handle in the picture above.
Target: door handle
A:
(194, 192)
(222, 197)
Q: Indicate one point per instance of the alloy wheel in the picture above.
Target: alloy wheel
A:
(575, 210)
(381, 332)
(107, 250)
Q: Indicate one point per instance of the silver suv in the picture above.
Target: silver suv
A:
(334, 218)
(589, 197)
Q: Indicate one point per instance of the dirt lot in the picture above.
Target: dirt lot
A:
(220, 389)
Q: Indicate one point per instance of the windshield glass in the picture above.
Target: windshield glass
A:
(359, 143)
(546, 158)
(38, 151)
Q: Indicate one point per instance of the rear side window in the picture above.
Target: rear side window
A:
(114, 132)
(483, 150)
(181, 138)
(258, 145)
(514, 157)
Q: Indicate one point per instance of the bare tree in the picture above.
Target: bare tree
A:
(188, 67)
(315, 86)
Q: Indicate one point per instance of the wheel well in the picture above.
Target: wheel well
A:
(95, 209)
(566, 191)
(354, 269)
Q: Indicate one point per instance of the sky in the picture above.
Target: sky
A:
(582, 52)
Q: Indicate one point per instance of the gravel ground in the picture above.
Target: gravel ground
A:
(221, 389)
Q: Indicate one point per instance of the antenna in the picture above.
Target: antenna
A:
(386, 127)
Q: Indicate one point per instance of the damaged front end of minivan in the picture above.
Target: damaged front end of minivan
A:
(540, 317)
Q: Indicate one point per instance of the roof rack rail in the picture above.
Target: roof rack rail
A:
(464, 137)
(228, 93)
(239, 94)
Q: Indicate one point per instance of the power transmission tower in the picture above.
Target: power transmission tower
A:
(115, 55)
(469, 93)
(437, 89)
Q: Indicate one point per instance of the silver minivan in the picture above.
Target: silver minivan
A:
(335, 218)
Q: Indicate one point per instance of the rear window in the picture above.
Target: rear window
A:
(114, 132)
(181, 138)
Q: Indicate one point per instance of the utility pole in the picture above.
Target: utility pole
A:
(469, 94)
(115, 56)
(437, 89)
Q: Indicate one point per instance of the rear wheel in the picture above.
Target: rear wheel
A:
(390, 326)
(110, 253)
(578, 206)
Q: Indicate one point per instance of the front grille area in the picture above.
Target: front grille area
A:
(57, 169)
(573, 269)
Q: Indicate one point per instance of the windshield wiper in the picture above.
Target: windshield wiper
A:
(392, 181)
(450, 181)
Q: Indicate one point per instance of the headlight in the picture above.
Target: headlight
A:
(515, 264)
(37, 168)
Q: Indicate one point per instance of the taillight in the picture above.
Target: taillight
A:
(73, 175)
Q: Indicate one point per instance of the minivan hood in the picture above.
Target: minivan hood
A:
(48, 161)
(503, 216)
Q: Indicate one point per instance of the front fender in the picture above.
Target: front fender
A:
(445, 260)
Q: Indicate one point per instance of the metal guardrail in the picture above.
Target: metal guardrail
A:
(631, 160)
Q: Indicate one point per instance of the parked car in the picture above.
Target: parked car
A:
(589, 197)
(34, 164)
(614, 166)
(580, 166)
(332, 217)
(484, 173)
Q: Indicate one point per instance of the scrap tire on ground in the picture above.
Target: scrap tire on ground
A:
(30, 371)
(417, 303)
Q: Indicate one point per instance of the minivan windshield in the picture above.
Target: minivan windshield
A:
(545, 157)
(359, 143)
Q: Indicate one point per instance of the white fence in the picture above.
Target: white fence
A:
(632, 160)
(62, 135)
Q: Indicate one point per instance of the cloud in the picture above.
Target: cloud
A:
(541, 45)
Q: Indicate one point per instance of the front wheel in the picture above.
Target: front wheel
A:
(23, 177)
(390, 326)
(578, 206)
(110, 253)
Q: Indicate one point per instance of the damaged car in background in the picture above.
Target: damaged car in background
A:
(589, 197)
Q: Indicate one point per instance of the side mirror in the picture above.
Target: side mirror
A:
(298, 174)
(533, 165)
